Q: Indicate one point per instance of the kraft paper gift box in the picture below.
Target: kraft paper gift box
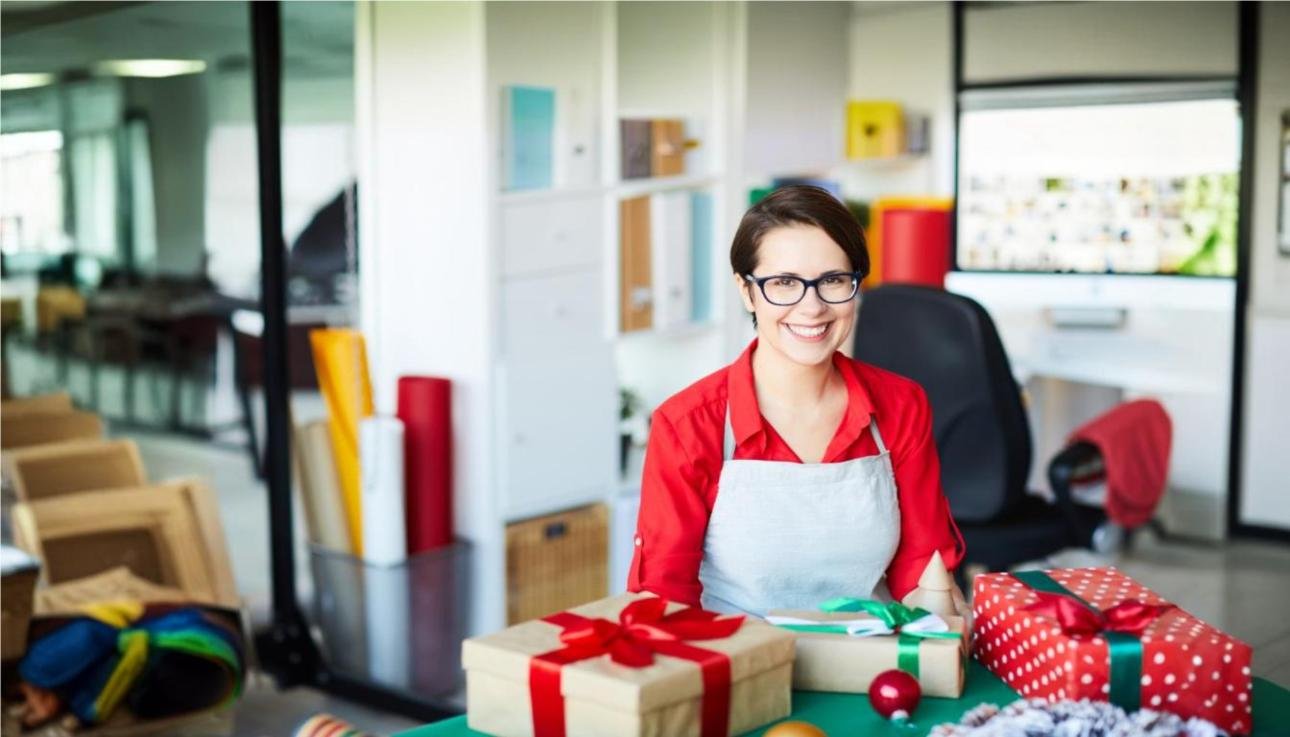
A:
(845, 649)
(631, 664)
(1095, 633)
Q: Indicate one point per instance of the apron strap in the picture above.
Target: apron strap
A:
(728, 448)
(877, 436)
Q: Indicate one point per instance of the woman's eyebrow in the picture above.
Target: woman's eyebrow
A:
(799, 276)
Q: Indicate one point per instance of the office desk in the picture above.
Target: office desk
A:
(843, 715)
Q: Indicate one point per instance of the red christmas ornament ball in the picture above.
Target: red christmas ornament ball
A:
(894, 691)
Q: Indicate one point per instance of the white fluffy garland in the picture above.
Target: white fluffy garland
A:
(1039, 718)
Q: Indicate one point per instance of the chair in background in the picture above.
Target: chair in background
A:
(949, 345)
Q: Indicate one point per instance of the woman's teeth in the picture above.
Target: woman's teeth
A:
(808, 332)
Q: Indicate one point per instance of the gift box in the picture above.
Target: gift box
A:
(846, 644)
(632, 664)
(1095, 633)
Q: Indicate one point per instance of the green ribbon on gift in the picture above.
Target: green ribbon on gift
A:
(893, 614)
(1124, 648)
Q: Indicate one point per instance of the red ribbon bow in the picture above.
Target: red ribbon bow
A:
(1076, 618)
(643, 629)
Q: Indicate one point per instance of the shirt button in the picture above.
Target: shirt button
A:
(638, 541)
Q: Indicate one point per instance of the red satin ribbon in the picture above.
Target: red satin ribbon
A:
(642, 630)
(1076, 618)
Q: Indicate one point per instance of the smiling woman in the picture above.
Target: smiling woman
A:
(795, 474)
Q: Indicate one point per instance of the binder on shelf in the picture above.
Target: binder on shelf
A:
(528, 138)
(670, 225)
(636, 140)
(667, 149)
(635, 282)
(701, 254)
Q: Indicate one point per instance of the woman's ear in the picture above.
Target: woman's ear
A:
(745, 287)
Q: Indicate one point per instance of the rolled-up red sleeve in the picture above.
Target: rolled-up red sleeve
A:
(925, 522)
(673, 519)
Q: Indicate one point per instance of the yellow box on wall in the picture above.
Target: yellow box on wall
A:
(875, 129)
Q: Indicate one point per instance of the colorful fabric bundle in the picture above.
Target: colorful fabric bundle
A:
(160, 661)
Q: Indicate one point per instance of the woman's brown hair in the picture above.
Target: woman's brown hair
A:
(798, 204)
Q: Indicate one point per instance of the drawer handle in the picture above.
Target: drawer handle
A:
(555, 530)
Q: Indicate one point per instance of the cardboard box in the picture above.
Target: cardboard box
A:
(55, 403)
(167, 533)
(23, 430)
(601, 697)
(849, 663)
(44, 471)
(17, 587)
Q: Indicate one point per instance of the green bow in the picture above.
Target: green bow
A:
(894, 615)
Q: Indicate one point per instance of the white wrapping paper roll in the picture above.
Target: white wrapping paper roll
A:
(381, 461)
(385, 575)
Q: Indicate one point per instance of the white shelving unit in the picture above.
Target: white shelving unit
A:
(514, 294)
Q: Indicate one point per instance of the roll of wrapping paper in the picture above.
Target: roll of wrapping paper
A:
(341, 361)
(381, 453)
(425, 407)
(320, 487)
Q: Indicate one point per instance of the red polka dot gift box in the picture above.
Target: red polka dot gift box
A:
(1095, 633)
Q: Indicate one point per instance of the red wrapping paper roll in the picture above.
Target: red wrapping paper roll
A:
(425, 407)
(915, 246)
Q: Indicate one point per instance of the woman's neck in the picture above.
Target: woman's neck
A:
(784, 383)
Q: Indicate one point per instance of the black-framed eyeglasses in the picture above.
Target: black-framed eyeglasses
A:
(783, 290)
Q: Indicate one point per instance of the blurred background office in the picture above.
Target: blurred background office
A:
(534, 202)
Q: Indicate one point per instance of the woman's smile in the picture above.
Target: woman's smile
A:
(808, 333)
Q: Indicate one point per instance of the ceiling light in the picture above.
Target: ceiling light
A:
(9, 82)
(149, 67)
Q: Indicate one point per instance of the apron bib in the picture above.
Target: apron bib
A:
(788, 535)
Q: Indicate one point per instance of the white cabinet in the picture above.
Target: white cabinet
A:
(558, 433)
(552, 315)
(549, 235)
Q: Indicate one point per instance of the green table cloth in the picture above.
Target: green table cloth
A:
(841, 715)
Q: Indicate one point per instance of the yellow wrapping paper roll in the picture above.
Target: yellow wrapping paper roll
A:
(340, 359)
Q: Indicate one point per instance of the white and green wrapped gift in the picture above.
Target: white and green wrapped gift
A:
(846, 643)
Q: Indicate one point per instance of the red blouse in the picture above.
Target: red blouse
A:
(684, 457)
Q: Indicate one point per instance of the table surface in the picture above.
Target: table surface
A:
(850, 714)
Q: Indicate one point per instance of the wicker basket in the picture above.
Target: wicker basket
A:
(556, 562)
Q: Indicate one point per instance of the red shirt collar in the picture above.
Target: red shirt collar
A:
(746, 419)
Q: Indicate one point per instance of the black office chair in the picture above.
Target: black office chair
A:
(948, 344)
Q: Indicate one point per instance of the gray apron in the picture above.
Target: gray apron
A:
(788, 535)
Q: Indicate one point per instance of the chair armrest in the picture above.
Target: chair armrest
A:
(1074, 461)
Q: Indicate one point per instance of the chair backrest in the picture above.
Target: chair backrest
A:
(43, 471)
(948, 344)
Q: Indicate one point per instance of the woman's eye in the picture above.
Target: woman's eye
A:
(835, 280)
(784, 282)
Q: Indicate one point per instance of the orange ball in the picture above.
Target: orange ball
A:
(795, 729)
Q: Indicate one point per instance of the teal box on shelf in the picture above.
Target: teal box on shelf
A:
(528, 115)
